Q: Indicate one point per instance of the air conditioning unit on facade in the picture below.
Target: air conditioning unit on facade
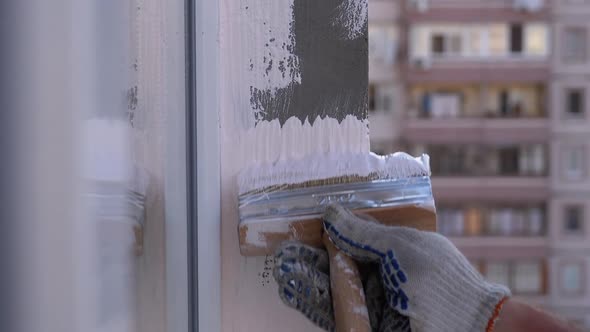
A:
(529, 5)
(420, 5)
(422, 63)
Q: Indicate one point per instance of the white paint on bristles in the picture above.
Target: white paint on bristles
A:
(352, 15)
(296, 140)
(334, 164)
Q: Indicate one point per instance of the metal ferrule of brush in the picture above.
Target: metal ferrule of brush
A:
(310, 202)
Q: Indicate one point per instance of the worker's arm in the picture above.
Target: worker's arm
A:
(423, 276)
(516, 316)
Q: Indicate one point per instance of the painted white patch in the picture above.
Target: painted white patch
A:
(352, 15)
(255, 237)
(261, 57)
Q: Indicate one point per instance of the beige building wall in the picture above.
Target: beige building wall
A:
(570, 162)
(385, 78)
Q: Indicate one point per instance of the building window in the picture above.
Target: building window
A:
(516, 38)
(451, 222)
(532, 160)
(527, 278)
(381, 97)
(573, 219)
(536, 223)
(446, 44)
(438, 44)
(499, 273)
(383, 44)
(575, 45)
(574, 102)
(572, 276)
(520, 277)
(371, 97)
(498, 39)
(509, 158)
(443, 105)
(573, 163)
(536, 39)
(473, 222)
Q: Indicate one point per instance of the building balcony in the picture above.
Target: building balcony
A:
(476, 130)
(463, 69)
(477, 10)
(514, 189)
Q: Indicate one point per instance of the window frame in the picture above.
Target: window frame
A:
(564, 229)
(511, 268)
(565, 161)
(203, 175)
(583, 278)
(513, 276)
(567, 59)
(517, 39)
(567, 93)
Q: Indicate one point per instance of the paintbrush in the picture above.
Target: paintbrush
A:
(285, 201)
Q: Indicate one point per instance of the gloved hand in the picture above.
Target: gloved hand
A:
(424, 275)
(303, 275)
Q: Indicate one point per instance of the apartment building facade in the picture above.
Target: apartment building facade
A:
(496, 91)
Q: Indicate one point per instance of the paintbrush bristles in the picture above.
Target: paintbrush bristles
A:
(330, 169)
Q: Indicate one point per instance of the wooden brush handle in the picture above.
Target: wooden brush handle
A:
(348, 297)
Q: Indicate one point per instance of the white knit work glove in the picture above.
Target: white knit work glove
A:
(424, 275)
(303, 276)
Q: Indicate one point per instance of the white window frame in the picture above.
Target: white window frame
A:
(567, 174)
(192, 186)
(563, 59)
(583, 278)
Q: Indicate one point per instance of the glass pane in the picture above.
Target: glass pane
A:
(473, 221)
(498, 272)
(575, 101)
(536, 39)
(498, 39)
(516, 38)
(527, 278)
(573, 163)
(573, 219)
(572, 278)
(575, 45)
(438, 44)
(535, 221)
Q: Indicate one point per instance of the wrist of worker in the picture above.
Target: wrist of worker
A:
(477, 308)
(492, 322)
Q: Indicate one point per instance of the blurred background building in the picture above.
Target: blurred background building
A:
(497, 92)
